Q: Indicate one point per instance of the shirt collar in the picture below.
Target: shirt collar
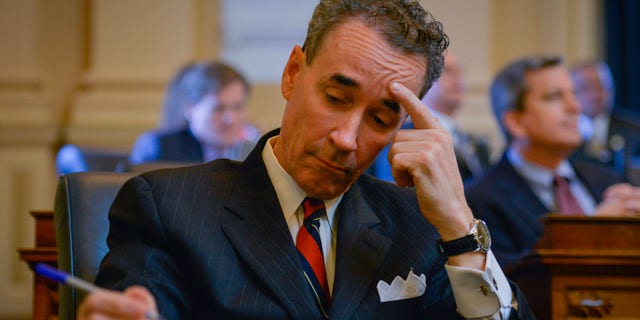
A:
(536, 174)
(290, 195)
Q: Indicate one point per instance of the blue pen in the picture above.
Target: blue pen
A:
(65, 278)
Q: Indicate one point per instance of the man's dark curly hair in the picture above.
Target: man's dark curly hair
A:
(404, 24)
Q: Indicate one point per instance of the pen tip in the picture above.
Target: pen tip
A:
(50, 272)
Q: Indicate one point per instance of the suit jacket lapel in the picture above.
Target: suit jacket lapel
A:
(594, 179)
(527, 208)
(262, 237)
(360, 251)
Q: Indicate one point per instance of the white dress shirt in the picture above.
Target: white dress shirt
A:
(477, 293)
(540, 181)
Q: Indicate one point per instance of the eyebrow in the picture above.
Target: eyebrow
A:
(349, 82)
(344, 80)
(394, 106)
(553, 92)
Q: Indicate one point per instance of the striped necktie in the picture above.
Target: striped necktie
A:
(310, 250)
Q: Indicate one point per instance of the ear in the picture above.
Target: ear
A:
(513, 122)
(297, 60)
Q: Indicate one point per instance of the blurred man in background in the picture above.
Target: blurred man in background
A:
(445, 100)
(611, 135)
(534, 103)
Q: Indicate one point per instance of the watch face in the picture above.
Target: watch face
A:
(482, 236)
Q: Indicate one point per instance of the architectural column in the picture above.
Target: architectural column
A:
(27, 134)
(134, 47)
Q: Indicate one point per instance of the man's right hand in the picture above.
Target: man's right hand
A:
(134, 303)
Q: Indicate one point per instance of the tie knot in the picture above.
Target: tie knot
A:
(560, 181)
(312, 207)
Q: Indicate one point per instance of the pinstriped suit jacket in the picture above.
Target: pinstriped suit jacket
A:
(210, 241)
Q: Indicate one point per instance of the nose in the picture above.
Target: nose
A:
(345, 134)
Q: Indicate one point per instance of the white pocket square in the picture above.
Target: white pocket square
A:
(401, 289)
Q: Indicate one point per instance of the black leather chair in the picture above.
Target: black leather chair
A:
(80, 212)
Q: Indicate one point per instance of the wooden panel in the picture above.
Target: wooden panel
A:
(597, 233)
(45, 230)
(27, 180)
(584, 267)
(45, 291)
(610, 297)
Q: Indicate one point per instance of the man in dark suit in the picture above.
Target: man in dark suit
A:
(444, 99)
(223, 239)
(611, 134)
(534, 103)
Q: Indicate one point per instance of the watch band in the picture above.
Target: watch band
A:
(458, 246)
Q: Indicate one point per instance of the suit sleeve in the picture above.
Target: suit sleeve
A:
(140, 252)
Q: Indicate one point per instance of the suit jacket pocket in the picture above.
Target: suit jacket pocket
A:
(402, 309)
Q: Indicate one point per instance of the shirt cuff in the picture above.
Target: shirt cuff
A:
(481, 294)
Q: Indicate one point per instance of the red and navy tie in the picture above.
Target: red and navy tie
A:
(310, 250)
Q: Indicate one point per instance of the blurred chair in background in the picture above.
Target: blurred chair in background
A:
(73, 158)
(212, 98)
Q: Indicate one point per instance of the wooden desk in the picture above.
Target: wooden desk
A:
(45, 291)
(584, 267)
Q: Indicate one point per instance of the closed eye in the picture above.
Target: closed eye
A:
(333, 99)
(383, 120)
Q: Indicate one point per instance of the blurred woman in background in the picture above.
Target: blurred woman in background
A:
(203, 118)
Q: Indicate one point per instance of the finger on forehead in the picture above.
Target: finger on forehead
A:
(420, 115)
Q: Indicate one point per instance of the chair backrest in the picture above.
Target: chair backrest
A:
(72, 158)
(148, 166)
(81, 208)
